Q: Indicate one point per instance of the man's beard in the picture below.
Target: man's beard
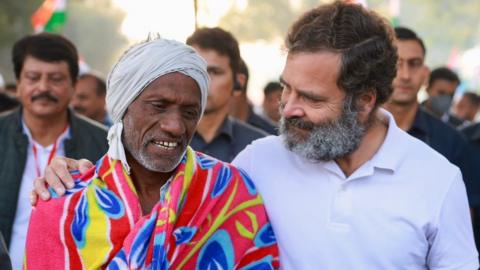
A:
(325, 141)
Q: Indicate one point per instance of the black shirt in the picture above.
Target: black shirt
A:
(232, 137)
(261, 123)
(451, 144)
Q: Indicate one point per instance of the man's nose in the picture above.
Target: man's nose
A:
(291, 106)
(43, 83)
(173, 124)
(403, 72)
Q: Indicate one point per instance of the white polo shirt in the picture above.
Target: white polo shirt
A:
(406, 208)
(22, 214)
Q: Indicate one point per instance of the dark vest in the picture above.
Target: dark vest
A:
(88, 140)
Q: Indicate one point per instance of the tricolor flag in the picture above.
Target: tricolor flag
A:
(50, 16)
(394, 12)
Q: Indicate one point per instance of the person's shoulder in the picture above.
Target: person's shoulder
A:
(247, 131)
(262, 123)
(9, 120)
(7, 116)
(89, 124)
(438, 125)
(266, 146)
(472, 132)
(226, 169)
(443, 135)
(433, 164)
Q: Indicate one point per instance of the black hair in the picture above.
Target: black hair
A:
(46, 47)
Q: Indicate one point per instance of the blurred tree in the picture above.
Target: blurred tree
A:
(444, 25)
(265, 19)
(93, 25)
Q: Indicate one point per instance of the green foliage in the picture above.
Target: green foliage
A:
(443, 24)
(261, 19)
(93, 26)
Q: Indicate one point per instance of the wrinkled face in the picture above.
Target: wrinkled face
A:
(442, 87)
(85, 99)
(318, 121)
(221, 79)
(411, 72)
(44, 88)
(271, 105)
(160, 123)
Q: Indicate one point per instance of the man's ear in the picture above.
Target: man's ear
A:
(239, 84)
(366, 101)
(241, 80)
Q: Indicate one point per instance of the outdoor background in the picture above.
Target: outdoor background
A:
(103, 29)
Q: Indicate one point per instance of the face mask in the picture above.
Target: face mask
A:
(440, 104)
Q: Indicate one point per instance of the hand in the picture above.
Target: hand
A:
(58, 177)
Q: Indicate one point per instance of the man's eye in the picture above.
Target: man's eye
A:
(415, 64)
(191, 114)
(158, 106)
(32, 78)
(57, 79)
(215, 72)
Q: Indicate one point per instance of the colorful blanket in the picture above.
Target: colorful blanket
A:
(209, 216)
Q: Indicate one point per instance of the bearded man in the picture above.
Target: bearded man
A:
(344, 187)
(152, 202)
(342, 184)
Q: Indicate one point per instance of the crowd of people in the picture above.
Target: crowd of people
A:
(165, 164)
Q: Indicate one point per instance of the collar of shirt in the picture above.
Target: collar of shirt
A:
(388, 157)
(26, 131)
(420, 125)
(226, 128)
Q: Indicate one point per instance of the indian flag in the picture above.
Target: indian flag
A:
(50, 16)
(394, 12)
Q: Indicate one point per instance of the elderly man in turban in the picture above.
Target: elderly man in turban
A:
(152, 202)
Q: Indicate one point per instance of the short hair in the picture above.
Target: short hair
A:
(473, 98)
(100, 86)
(404, 33)
(243, 69)
(443, 73)
(272, 87)
(46, 47)
(363, 38)
(219, 40)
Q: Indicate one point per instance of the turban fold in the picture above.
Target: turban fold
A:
(136, 69)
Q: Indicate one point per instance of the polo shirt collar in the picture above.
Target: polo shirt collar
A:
(388, 157)
(393, 150)
(420, 123)
(226, 128)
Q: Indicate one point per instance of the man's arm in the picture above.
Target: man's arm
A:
(451, 241)
(57, 176)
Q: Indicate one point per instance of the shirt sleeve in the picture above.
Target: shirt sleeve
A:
(451, 242)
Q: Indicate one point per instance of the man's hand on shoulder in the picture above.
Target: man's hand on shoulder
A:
(57, 176)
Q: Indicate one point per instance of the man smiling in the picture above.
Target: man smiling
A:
(46, 68)
(152, 202)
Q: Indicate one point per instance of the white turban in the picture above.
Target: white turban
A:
(136, 69)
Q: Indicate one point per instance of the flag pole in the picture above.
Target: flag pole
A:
(195, 7)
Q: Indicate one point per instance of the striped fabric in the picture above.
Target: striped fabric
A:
(209, 216)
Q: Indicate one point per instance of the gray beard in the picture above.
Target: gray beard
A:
(326, 141)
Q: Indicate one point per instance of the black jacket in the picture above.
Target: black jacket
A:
(88, 140)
